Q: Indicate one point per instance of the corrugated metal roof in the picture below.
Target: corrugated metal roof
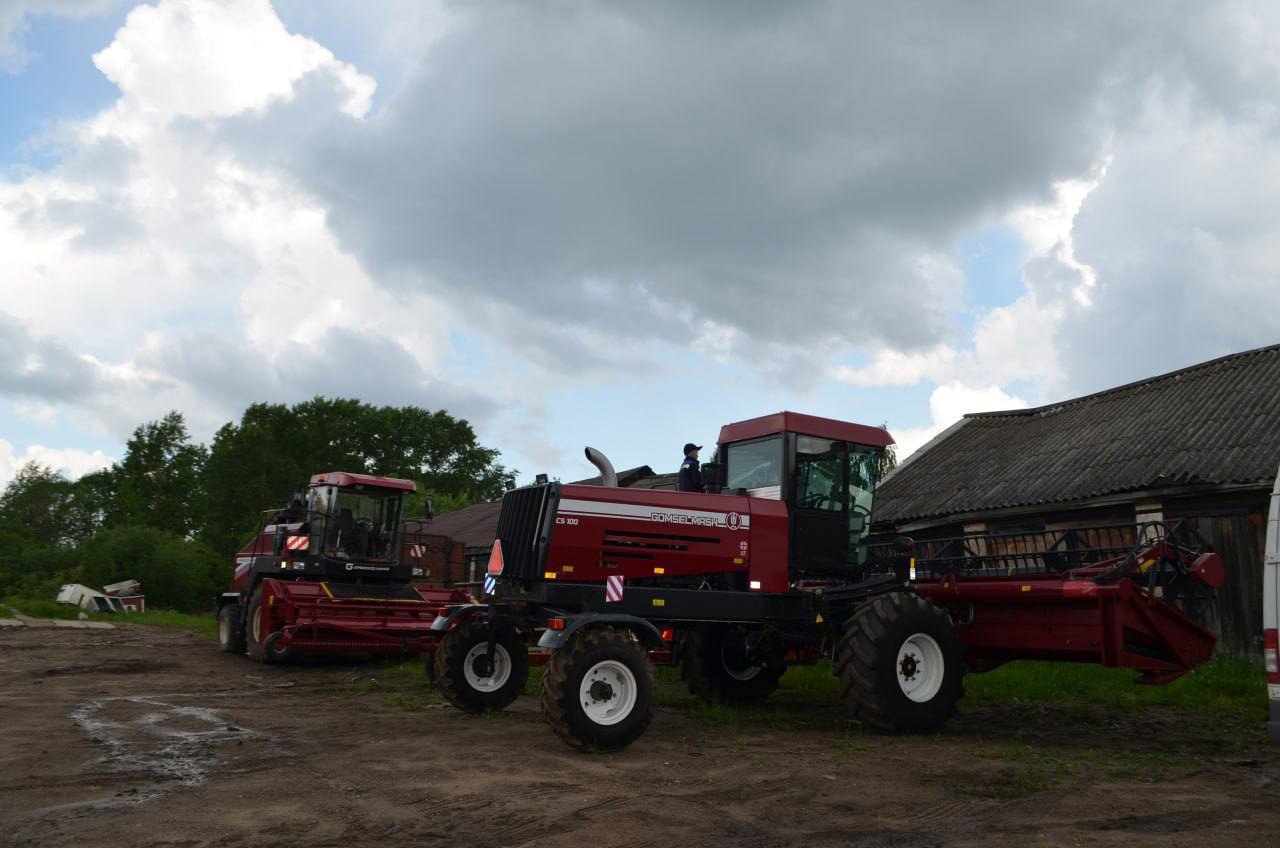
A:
(474, 526)
(1213, 423)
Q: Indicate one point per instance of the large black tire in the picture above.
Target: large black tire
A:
(460, 673)
(714, 665)
(901, 665)
(598, 690)
(230, 629)
(253, 637)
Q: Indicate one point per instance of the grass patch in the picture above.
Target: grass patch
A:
(51, 609)
(202, 624)
(1228, 688)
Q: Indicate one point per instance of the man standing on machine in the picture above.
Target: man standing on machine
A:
(690, 478)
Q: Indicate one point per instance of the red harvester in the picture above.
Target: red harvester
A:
(325, 575)
(772, 567)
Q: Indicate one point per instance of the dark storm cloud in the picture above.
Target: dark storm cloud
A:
(341, 363)
(778, 168)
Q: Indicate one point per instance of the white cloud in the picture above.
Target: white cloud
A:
(213, 59)
(69, 462)
(163, 272)
(948, 404)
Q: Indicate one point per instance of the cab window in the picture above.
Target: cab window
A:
(756, 467)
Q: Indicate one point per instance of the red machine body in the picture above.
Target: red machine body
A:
(642, 534)
(324, 574)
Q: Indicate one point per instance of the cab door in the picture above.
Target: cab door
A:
(820, 504)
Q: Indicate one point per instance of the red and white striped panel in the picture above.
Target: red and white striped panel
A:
(416, 551)
(297, 543)
(613, 588)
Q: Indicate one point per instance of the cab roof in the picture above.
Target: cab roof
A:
(808, 425)
(344, 479)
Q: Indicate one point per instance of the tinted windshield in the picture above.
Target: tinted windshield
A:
(362, 525)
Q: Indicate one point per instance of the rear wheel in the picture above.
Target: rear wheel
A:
(230, 629)
(466, 676)
(598, 690)
(722, 664)
(900, 665)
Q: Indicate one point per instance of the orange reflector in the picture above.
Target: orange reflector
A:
(495, 557)
(668, 634)
(555, 624)
(549, 575)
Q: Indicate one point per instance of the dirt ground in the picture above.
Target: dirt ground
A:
(144, 736)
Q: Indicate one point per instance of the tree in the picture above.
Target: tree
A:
(35, 504)
(255, 464)
(157, 484)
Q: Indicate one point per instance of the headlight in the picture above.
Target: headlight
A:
(419, 572)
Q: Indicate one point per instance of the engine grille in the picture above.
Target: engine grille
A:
(524, 526)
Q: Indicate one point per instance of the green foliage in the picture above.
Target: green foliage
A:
(172, 512)
(157, 484)
(35, 504)
(175, 573)
(255, 464)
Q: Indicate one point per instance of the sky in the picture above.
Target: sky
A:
(621, 225)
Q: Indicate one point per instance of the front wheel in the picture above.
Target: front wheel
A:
(598, 690)
(901, 665)
(469, 679)
(230, 629)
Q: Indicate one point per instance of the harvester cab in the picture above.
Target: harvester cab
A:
(825, 471)
(340, 525)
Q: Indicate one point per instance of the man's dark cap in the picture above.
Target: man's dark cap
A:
(691, 446)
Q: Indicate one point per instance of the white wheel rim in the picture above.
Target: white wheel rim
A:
(608, 692)
(747, 673)
(224, 628)
(920, 667)
(501, 672)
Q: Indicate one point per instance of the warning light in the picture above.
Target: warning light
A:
(556, 624)
(549, 575)
(668, 634)
(755, 584)
(495, 557)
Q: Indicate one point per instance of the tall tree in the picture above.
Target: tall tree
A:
(35, 505)
(158, 481)
(253, 465)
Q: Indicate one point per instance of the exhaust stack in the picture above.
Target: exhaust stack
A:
(608, 477)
